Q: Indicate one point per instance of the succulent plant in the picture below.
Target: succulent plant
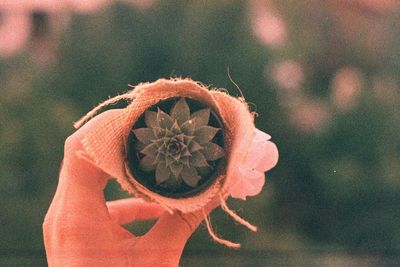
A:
(178, 145)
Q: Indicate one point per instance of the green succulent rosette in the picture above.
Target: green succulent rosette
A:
(178, 147)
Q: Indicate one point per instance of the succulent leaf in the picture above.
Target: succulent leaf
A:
(180, 137)
(185, 161)
(162, 173)
(178, 146)
(150, 149)
(175, 128)
(176, 168)
(205, 134)
(198, 160)
(213, 151)
(158, 158)
(188, 127)
(194, 146)
(204, 171)
(190, 176)
(158, 132)
(169, 133)
(164, 120)
(144, 135)
(139, 146)
(186, 152)
(169, 160)
(150, 118)
(180, 111)
(172, 183)
(201, 117)
(188, 139)
(147, 163)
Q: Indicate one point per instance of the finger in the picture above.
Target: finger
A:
(80, 189)
(175, 229)
(127, 210)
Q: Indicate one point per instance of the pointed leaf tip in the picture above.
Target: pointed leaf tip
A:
(188, 127)
(150, 149)
(194, 146)
(150, 118)
(162, 173)
(198, 160)
(190, 176)
(176, 168)
(144, 135)
(213, 151)
(205, 134)
(201, 117)
(180, 111)
(164, 120)
(147, 163)
(175, 128)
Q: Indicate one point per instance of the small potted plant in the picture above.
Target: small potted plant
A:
(176, 147)
(182, 145)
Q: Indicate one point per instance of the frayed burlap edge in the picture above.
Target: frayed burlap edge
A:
(142, 97)
(239, 130)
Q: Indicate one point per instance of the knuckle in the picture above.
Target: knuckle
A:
(48, 221)
(70, 141)
(71, 145)
(46, 226)
(59, 230)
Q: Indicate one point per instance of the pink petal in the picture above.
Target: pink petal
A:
(261, 136)
(263, 154)
(269, 158)
(257, 148)
(250, 183)
(249, 177)
(267, 24)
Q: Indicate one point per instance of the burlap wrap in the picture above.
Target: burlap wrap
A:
(106, 144)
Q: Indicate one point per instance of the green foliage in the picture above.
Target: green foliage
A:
(174, 145)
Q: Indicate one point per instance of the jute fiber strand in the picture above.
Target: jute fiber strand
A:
(106, 144)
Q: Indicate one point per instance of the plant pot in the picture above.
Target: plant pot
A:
(182, 190)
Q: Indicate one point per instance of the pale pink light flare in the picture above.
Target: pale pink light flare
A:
(16, 18)
(288, 75)
(268, 26)
(250, 178)
(310, 116)
(346, 88)
(15, 31)
(89, 6)
(27, 6)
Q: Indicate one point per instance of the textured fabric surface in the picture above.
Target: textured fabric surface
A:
(106, 145)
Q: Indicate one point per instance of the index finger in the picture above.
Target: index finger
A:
(79, 192)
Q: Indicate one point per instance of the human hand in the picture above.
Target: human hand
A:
(82, 229)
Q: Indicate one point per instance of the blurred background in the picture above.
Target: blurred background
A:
(322, 75)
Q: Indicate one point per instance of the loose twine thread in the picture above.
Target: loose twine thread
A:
(236, 217)
(94, 111)
(224, 206)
